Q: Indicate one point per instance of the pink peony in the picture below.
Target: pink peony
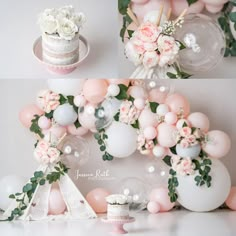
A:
(150, 59)
(149, 145)
(43, 145)
(148, 32)
(185, 131)
(138, 45)
(186, 167)
(54, 154)
(191, 139)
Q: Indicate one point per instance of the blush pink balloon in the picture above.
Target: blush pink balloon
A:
(155, 95)
(56, 204)
(44, 122)
(140, 1)
(150, 132)
(152, 5)
(166, 135)
(199, 120)
(153, 207)
(214, 8)
(171, 118)
(119, 81)
(160, 195)
(97, 199)
(71, 129)
(218, 144)
(137, 92)
(27, 113)
(178, 103)
(147, 118)
(231, 200)
(95, 90)
(179, 5)
(58, 131)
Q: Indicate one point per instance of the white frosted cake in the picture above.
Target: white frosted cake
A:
(117, 207)
(60, 35)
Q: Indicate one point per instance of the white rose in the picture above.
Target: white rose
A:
(48, 24)
(50, 12)
(78, 18)
(67, 29)
(66, 11)
(150, 59)
(132, 54)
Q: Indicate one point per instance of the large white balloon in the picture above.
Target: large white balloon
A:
(10, 184)
(65, 115)
(122, 139)
(66, 86)
(196, 198)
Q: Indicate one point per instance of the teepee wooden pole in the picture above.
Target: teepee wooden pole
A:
(180, 16)
(132, 16)
(169, 14)
(160, 14)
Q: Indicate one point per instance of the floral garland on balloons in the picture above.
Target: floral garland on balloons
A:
(129, 115)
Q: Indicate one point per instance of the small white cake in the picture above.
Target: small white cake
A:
(117, 207)
(60, 35)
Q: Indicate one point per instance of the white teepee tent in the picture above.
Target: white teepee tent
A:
(77, 206)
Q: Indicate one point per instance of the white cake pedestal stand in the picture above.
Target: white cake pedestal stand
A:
(118, 225)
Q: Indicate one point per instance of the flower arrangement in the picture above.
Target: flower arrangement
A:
(128, 115)
(63, 22)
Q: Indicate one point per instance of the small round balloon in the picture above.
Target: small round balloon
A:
(231, 200)
(75, 150)
(204, 41)
(136, 191)
(97, 199)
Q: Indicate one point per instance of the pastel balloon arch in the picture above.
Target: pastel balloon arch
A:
(126, 116)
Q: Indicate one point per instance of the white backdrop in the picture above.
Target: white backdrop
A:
(216, 98)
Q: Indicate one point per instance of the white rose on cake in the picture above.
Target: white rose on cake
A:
(118, 199)
(67, 11)
(78, 18)
(48, 24)
(67, 29)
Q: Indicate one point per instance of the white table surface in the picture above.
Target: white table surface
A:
(19, 31)
(175, 223)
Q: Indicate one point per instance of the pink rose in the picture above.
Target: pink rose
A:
(43, 145)
(149, 145)
(132, 53)
(185, 131)
(150, 59)
(186, 167)
(191, 138)
(138, 45)
(150, 47)
(141, 141)
(148, 32)
(54, 154)
(45, 160)
(184, 143)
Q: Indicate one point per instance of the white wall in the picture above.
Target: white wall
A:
(216, 98)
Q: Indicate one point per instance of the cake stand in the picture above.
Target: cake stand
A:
(118, 225)
(84, 49)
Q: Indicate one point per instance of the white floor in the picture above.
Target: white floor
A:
(175, 223)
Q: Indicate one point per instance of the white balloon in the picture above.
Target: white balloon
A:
(65, 115)
(201, 199)
(191, 151)
(66, 86)
(113, 90)
(162, 110)
(122, 139)
(10, 184)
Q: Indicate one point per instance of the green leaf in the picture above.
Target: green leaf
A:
(42, 181)
(35, 127)
(171, 75)
(172, 172)
(167, 160)
(123, 92)
(12, 196)
(190, 2)
(27, 188)
(232, 16)
(130, 33)
(102, 148)
(62, 99)
(153, 106)
(49, 115)
(181, 45)
(38, 174)
(117, 116)
(123, 5)
(97, 136)
(173, 150)
(136, 125)
(77, 124)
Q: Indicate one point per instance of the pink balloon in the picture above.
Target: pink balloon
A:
(58, 131)
(214, 8)
(218, 144)
(178, 104)
(166, 135)
(56, 205)
(119, 81)
(171, 118)
(139, 1)
(153, 207)
(150, 132)
(95, 90)
(199, 120)
(147, 118)
(155, 95)
(231, 200)
(97, 199)
(179, 5)
(44, 122)
(87, 118)
(215, 2)
(77, 131)
(161, 196)
(27, 114)
(137, 92)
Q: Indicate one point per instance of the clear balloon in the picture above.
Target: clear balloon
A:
(75, 150)
(205, 43)
(136, 191)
